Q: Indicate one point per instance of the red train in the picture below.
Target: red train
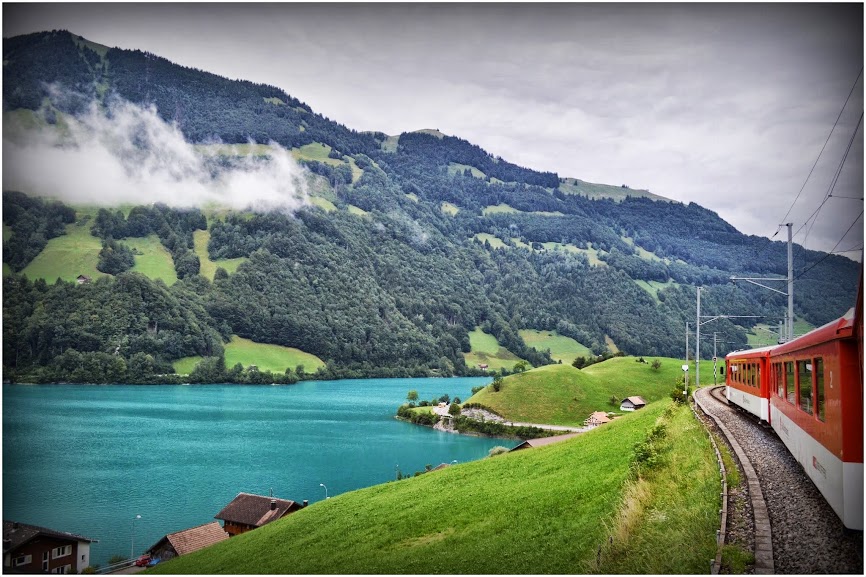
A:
(810, 391)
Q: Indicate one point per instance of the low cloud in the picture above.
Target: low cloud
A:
(126, 154)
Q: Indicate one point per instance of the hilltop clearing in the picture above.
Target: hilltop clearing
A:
(564, 395)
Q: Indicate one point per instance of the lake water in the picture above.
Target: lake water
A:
(88, 459)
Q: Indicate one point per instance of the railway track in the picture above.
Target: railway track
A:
(807, 535)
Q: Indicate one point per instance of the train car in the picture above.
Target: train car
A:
(816, 409)
(747, 383)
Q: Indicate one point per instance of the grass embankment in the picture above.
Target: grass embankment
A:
(486, 350)
(266, 357)
(208, 266)
(562, 348)
(541, 511)
(563, 395)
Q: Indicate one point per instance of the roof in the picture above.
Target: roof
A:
(635, 400)
(255, 510)
(195, 538)
(841, 328)
(540, 442)
(17, 534)
(752, 353)
(599, 417)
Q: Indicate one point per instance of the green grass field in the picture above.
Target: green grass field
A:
(487, 350)
(549, 510)
(563, 395)
(274, 100)
(653, 286)
(561, 347)
(208, 266)
(449, 208)
(593, 190)
(390, 143)
(499, 209)
(67, 256)
(494, 242)
(455, 167)
(357, 211)
(763, 334)
(323, 203)
(412, 196)
(266, 357)
(155, 260)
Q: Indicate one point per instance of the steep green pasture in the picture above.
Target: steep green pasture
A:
(357, 211)
(499, 209)
(593, 190)
(653, 286)
(323, 203)
(563, 395)
(455, 167)
(540, 511)
(562, 348)
(642, 252)
(448, 208)
(208, 266)
(494, 242)
(266, 357)
(412, 196)
(67, 256)
(764, 334)
(487, 350)
(154, 261)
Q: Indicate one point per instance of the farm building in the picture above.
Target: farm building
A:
(82, 279)
(247, 512)
(188, 540)
(632, 404)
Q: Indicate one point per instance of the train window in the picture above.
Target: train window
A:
(789, 382)
(779, 380)
(804, 380)
(757, 376)
(819, 387)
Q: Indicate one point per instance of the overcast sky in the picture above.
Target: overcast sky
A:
(725, 105)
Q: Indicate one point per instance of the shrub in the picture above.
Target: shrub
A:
(498, 450)
(497, 384)
(678, 396)
(657, 364)
(454, 409)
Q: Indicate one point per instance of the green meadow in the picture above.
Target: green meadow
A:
(266, 357)
(208, 266)
(152, 259)
(562, 348)
(487, 350)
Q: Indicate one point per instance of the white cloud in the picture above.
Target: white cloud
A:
(126, 154)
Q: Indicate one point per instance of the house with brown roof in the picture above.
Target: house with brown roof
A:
(189, 540)
(532, 443)
(596, 419)
(247, 512)
(632, 404)
(34, 549)
(82, 279)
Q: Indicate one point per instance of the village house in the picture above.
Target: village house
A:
(247, 512)
(33, 549)
(186, 541)
(632, 404)
(596, 419)
(82, 279)
(532, 443)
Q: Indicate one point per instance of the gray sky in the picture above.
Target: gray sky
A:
(726, 105)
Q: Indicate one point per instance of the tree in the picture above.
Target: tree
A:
(520, 366)
(412, 396)
(656, 365)
(497, 383)
(454, 409)
(579, 362)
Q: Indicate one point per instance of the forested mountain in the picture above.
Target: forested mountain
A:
(447, 239)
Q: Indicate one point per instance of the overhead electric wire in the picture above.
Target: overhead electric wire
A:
(856, 220)
(833, 183)
(784, 218)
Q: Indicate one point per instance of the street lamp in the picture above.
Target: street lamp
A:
(326, 489)
(132, 539)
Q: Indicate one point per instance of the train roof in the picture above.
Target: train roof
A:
(749, 353)
(841, 328)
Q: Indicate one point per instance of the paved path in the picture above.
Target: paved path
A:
(443, 412)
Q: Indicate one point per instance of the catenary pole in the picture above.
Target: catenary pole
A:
(698, 344)
(790, 225)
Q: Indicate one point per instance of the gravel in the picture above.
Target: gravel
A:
(808, 536)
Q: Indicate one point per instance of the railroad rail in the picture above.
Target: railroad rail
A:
(793, 523)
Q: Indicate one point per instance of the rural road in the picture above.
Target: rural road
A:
(443, 412)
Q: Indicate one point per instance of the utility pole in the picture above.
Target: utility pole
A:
(698, 344)
(789, 317)
(687, 357)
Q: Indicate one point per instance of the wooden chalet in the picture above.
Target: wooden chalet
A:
(189, 540)
(82, 279)
(33, 549)
(632, 404)
(596, 419)
(532, 443)
(247, 512)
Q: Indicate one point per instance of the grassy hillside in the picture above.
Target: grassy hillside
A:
(593, 190)
(208, 266)
(561, 347)
(154, 260)
(563, 395)
(541, 511)
(266, 357)
(487, 350)
(66, 257)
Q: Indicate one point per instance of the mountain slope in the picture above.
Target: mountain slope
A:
(383, 282)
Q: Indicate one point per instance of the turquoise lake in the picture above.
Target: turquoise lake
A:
(88, 458)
